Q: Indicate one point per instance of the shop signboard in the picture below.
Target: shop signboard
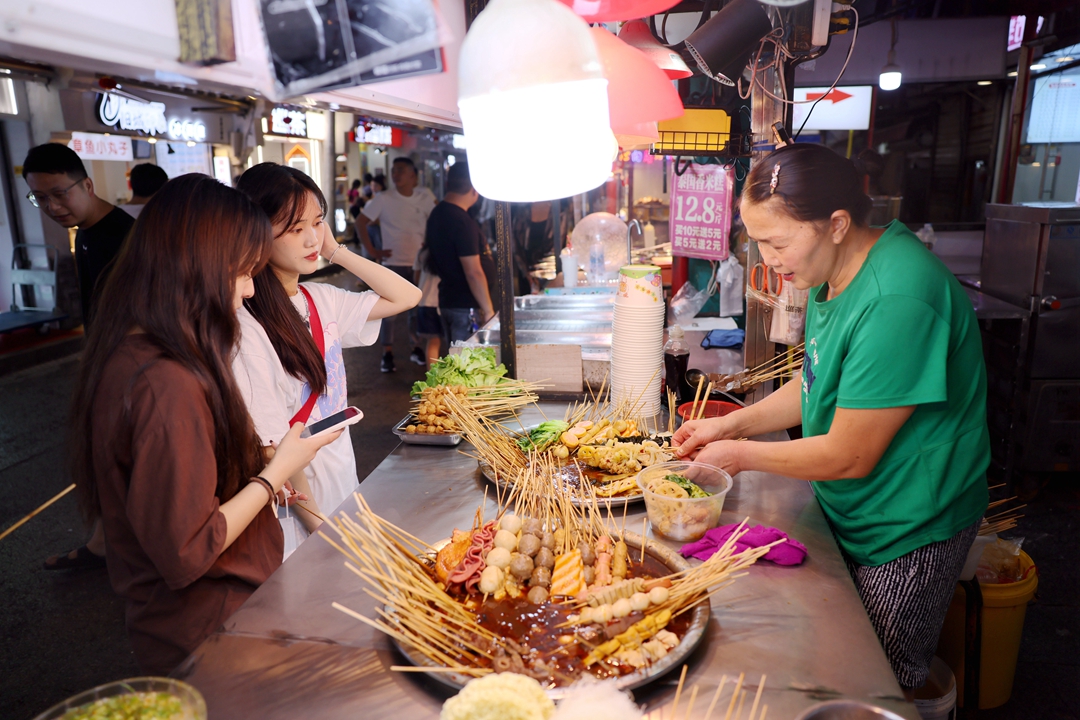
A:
(839, 108)
(701, 207)
(373, 134)
(150, 118)
(91, 146)
(287, 121)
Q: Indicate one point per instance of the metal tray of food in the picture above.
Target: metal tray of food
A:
(695, 633)
(614, 502)
(444, 439)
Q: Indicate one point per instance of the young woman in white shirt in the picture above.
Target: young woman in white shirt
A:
(280, 364)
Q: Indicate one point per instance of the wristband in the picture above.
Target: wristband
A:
(333, 254)
(267, 485)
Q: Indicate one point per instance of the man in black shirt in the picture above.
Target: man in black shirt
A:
(60, 187)
(457, 253)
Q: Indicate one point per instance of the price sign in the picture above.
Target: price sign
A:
(701, 211)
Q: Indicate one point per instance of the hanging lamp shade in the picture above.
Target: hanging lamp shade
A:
(637, 35)
(611, 10)
(533, 102)
(638, 91)
(638, 137)
(723, 45)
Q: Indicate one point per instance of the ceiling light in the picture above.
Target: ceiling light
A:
(1064, 59)
(722, 46)
(1038, 66)
(611, 10)
(638, 91)
(530, 81)
(191, 143)
(636, 34)
(984, 82)
(1012, 74)
(891, 76)
(152, 140)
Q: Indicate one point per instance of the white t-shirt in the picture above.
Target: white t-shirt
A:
(429, 284)
(403, 221)
(132, 210)
(273, 396)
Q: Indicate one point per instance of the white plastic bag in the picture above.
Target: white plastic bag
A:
(789, 316)
(291, 528)
(729, 279)
(687, 303)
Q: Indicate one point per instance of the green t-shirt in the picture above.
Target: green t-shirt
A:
(902, 333)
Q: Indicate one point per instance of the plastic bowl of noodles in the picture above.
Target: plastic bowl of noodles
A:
(142, 697)
(672, 511)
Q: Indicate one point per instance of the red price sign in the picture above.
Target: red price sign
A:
(700, 221)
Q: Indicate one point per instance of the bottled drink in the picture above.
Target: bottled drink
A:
(597, 263)
(676, 359)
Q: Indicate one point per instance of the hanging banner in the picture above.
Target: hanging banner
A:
(701, 201)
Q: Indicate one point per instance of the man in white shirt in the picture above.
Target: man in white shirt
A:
(402, 215)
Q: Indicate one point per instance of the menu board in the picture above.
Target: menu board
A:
(701, 206)
(177, 158)
(1055, 110)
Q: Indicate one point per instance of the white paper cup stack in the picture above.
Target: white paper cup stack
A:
(637, 339)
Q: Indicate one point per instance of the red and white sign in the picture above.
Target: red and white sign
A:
(378, 135)
(842, 108)
(701, 206)
(1017, 25)
(91, 146)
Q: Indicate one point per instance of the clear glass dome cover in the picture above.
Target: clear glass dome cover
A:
(609, 230)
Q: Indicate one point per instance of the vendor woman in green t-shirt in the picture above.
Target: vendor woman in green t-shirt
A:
(892, 399)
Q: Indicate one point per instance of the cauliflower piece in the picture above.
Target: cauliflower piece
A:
(501, 696)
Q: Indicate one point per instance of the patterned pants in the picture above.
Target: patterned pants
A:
(907, 598)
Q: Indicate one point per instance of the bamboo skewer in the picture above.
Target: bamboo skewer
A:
(697, 394)
(41, 507)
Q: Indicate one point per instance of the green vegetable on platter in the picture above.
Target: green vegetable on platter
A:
(542, 436)
(692, 490)
(472, 367)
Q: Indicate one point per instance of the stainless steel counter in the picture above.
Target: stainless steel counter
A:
(287, 654)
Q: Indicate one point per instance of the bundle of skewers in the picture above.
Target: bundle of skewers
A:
(492, 401)
(1001, 521)
(735, 703)
(785, 365)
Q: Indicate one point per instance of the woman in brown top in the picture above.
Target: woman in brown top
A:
(163, 449)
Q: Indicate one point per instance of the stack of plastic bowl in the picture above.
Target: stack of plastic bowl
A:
(637, 339)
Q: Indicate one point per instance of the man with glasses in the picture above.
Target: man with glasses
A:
(60, 187)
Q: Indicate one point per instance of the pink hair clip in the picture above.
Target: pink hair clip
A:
(775, 178)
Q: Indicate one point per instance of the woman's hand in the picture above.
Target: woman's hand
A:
(289, 496)
(329, 242)
(695, 434)
(293, 453)
(723, 454)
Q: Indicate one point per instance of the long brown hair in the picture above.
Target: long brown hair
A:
(812, 180)
(175, 279)
(282, 193)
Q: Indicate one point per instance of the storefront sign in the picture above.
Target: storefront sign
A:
(284, 121)
(378, 134)
(1017, 25)
(701, 200)
(90, 146)
(146, 117)
(841, 108)
(127, 114)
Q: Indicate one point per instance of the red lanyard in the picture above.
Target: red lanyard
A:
(317, 333)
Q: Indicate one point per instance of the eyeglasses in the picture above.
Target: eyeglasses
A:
(41, 200)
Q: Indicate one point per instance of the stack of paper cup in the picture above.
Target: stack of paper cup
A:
(637, 339)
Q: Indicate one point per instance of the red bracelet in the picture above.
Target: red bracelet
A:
(269, 488)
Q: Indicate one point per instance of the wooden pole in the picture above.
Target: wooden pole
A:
(1016, 115)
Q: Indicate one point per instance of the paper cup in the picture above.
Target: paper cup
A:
(640, 286)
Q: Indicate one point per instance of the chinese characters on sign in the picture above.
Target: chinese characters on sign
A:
(284, 121)
(90, 146)
(701, 211)
(378, 135)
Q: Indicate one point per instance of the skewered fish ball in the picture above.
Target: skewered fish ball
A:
(529, 545)
(532, 526)
(538, 595)
(506, 540)
(621, 607)
(491, 579)
(547, 540)
(510, 523)
(588, 555)
(521, 566)
(545, 558)
(658, 595)
(639, 601)
(499, 557)
(541, 577)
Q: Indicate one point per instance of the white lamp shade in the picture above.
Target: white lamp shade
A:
(533, 102)
(890, 77)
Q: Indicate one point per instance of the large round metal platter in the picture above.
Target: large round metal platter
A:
(699, 621)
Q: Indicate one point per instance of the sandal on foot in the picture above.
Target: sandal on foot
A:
(84, 559)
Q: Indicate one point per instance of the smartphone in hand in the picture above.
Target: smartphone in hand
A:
(337, 421)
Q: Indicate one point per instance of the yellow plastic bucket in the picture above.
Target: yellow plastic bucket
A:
(1004, 607)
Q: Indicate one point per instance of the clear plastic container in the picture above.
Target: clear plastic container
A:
(684, 519)
(190, 705)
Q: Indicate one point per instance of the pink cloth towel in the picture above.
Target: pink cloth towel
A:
(791, 552)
